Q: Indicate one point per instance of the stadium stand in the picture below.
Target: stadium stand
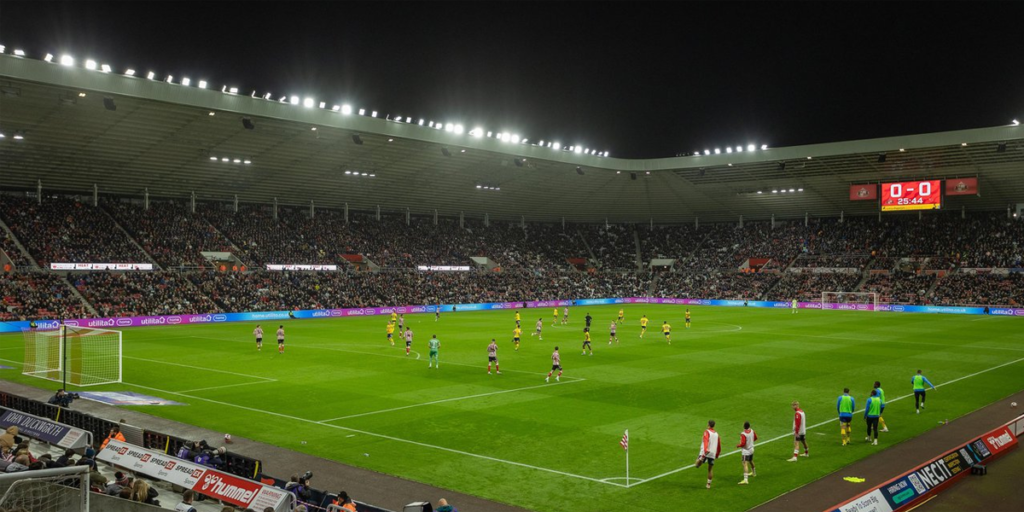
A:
(11, 250)
(173, 236)
(37, 296)
(149, 293)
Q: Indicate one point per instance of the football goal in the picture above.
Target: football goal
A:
(81, 356)
(853, 299)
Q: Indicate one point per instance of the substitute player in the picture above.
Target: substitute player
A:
(612, 336)
(390, 329)
(539, 326)
(492, 357)
(516, 334)
(710, 448)
(435, 345)
(746, 446)
(586, 342)
(799, 432)
(556, 364)
(280, 339)
(919, 382)
(408, 340)
(643, 325)
(845, 405)
(258, 332)
(872, 411)
(622, 315)
(881, 395)
(687, 318)
(666, 329)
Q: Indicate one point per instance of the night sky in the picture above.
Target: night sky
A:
(640, 80)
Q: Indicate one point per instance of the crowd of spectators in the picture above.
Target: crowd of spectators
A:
(9, 248)
(613, 245)
(37, 296)
(808, 286)
(172, 235)
(715, 285)
(69, 231)
(980, 289)
(900, 287)
(141, 293)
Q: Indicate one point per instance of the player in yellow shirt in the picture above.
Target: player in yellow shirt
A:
(586, 342)
(643, 325)
(391, 333)
(622, 315)
(516, 333)
(687, 318)
(666, 329)
(555, 321)
(517, 319)
(394, 317)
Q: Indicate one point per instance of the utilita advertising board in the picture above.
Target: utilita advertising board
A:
(266, 316)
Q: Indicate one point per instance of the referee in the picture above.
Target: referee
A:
(919, 382)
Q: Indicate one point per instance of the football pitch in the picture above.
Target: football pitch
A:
(342, 392)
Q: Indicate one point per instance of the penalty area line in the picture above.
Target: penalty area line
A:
(790, 435)
(382, 436)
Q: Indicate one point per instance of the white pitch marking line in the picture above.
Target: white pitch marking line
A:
(200, 368)
(902, 342)
(381, 436)
(228, 386)
(455, 399)
(790, 435)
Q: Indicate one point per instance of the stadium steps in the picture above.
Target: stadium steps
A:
(791, 263)
(131, 238)
(593, 257)
(654, 285)
(639, 254)
(17, 243)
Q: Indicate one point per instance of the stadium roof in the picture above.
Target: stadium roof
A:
(172, 139)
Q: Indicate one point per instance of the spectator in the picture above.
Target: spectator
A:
(345, 502)
(443, 506)
(95, 477)
(143, 493)
(67, 459)
(115, 433)
(186, 502)
(9, 439)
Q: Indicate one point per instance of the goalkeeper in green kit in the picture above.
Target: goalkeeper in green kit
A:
(434, 344)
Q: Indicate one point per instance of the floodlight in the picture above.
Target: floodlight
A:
(336, 108)
(477, 132)
(373, 114)
(247, 162)
(19, 136)
(963, 144)
(323, 104)
(707, 151)
(364, 174)
(764, 146)
(213, 158)
(775, 191)
(373, 175)
(308, 103)
(556, 145)
(67, 60)
(718, 151)
(348, 172)
(799, 190)
(19, 53)
(739, 149)
(809, 158)
(347, 109)
(2, 48)
(105, 68)
(49, 57)
(728, 149)
(448, 127)
(759, 192)
(421, 122)
(505, 137)
(459, 129)
(791, 190)
(170, 79)
(514, 138)
(577, 149)
(151, 75)
(294, 100)
(202, 84)
(2, 136)
(212, 114)
(225, 159)
(237, 161)
(1015, 122)
(362, 111)
(313, 128)
(408, 119)
(478, 186)
(783, 191)
(541, 143)
(489, 133)
(750, 147)
(90, 64)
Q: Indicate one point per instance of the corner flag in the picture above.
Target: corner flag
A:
(625, 441)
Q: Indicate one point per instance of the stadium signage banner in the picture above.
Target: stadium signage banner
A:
(211, 482)
(962, 187)
(258, 316)
(101, 266)
(45, 430)
(444, 268)
(906, 490)
(318, 268)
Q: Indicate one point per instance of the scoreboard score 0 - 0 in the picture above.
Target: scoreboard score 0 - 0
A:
(912, 195)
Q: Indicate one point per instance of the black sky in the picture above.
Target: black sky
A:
(638, 79)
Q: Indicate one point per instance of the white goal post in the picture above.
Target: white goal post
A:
(81, 356)
(46, 490)
(850, 298)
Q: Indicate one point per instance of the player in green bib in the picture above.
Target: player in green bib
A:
(919, 381)
(434, 344)
(881, 396)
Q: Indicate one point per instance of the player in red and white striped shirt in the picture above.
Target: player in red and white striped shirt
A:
(556, 364)
(746, 446)
(799, 432)
(492, 357)
(710, 448)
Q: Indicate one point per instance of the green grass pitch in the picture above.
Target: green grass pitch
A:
(342, 392)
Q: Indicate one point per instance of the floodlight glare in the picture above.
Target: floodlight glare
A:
(764, 146)
(728, 149)
(151, 75)
(477, 132)
(19, 53)
(577, 149)
(308, 103)
(707, 151)
(336, 108)
(90, 64)
(799, 190)
(67, 60)
(49, 57)
(362, 111)
(225, 159)
(266, 96)
(448, 127)
(323, 104)
(541, 143)
(213, 158)
(18, 136)
(202, 84)
(408, 119)
(421, 122)
(170, 79)
(347, 109)
(294, 100)
(373, 114)
(739, 149)
(1014, 122)
(750, 147)
(105, 68)
(237, 161)
(514, 139)
(247, 162)
(233, 90)
(459, 129)
(2, 48)
(348, 172)
(505, 137)
(556, 145)
(718, 151)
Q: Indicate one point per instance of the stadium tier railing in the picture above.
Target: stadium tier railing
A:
(164, 320)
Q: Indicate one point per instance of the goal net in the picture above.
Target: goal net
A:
(46, 490)
(82, 356)
(853, 299)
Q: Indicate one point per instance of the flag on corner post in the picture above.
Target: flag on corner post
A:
(625, 441)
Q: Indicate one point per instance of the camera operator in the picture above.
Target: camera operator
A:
(62, 398)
